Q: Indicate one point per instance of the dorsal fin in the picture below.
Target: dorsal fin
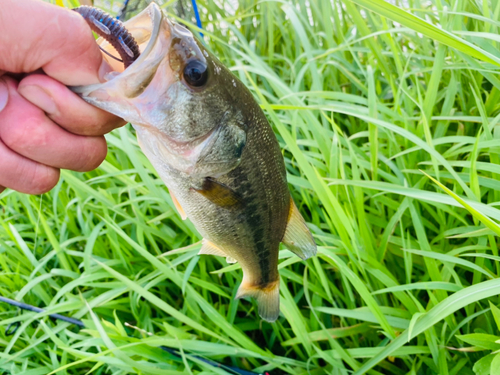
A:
(298, 239)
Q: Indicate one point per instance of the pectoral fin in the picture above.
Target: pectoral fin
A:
(220, 194)
(208, 248)
(177, 205)
(298, 239)
(267, 297)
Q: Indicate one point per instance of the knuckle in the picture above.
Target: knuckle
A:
(15, 139)
(25, 136)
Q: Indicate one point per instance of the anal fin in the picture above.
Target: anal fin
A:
(178, 206)
(298, 239)
(267, 297)
(208, 248)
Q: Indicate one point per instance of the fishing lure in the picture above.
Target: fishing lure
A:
(113, 31)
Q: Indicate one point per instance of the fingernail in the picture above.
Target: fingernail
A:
(104, 69)
(4, 95)
(39, 97)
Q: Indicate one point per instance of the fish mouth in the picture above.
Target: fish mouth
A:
(145, 28)
(119, 92)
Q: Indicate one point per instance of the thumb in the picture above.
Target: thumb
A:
(35, 34)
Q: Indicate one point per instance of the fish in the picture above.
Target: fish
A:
(213, 147)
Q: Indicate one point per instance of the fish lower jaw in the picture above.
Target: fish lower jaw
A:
(182, 156)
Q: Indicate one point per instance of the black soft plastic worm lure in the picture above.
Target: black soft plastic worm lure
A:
(113, 31)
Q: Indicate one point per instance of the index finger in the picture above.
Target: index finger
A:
(35, 34)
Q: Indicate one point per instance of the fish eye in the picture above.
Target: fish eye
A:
(196, 73)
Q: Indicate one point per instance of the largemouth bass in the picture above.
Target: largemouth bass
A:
(213, 147)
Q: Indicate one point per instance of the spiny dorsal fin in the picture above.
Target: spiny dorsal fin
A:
(177, 205)
(208, 248)
(267, 297)
(298, 239)
(220, 194)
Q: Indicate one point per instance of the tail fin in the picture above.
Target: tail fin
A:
(268, 298)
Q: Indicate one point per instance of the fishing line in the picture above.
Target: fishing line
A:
(25, 306)
(197, 16)
(12, 328)
(110, 55)
(123, 10)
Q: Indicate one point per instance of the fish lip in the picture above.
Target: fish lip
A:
(195, 141)
(156, 16)
(192, 151)
(204, 137)
(204, 141)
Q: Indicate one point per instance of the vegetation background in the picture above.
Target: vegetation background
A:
(388, 117)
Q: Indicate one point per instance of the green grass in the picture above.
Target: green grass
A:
(389, 126)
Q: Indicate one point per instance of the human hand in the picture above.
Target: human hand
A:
(44, 127)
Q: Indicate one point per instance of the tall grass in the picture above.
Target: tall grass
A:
(388, 117)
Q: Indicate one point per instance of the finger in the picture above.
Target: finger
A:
(25, 129)
(24, 175)
(35, 34)
(65, 108)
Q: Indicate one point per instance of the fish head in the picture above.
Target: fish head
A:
(184, 103)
